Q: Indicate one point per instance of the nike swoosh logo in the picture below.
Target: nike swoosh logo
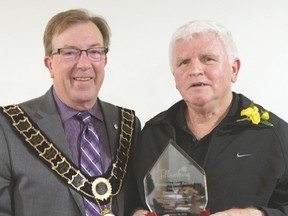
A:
(243, 155)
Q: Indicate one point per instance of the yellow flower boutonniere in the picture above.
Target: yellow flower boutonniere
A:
(252, 114)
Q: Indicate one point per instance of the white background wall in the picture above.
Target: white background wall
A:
(137, 74)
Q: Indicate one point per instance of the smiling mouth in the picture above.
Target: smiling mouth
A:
(82, 78)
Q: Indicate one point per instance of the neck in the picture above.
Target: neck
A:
(202, 121)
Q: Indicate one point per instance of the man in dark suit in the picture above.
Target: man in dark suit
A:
(44, 177)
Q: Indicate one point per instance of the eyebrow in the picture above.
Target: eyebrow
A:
(90, 46)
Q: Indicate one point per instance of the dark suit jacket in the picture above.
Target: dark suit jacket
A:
(27, 186)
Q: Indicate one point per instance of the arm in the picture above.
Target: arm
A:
(278, 202)
(133, 202)
(5, 177)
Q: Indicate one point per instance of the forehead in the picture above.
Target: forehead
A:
(204, 42)
(79, 34)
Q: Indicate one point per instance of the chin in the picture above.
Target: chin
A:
(85, 98)
(89, 94)
(198, 101)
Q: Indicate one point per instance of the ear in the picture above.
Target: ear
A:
(48, 64)
(106, 60)
(235, 70)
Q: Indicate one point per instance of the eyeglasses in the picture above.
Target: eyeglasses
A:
(73, 54)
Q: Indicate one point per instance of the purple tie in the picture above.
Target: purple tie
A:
(90, 158)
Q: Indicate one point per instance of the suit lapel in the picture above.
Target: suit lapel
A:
(112, 117)
(49, 121)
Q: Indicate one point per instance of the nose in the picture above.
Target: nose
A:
(83, 61)
(196, 68)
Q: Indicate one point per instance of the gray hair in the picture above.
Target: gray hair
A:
(204, 26)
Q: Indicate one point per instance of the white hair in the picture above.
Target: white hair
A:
(205, 26)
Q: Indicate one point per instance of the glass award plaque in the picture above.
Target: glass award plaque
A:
(176, 185)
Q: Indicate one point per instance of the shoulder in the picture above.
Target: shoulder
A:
(166, 115)
(276, 120)
(31, 106)
(280, 127)
(111, 112)
(111, 109)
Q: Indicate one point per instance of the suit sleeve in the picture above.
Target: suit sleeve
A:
(5, 175)
(132, 197)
